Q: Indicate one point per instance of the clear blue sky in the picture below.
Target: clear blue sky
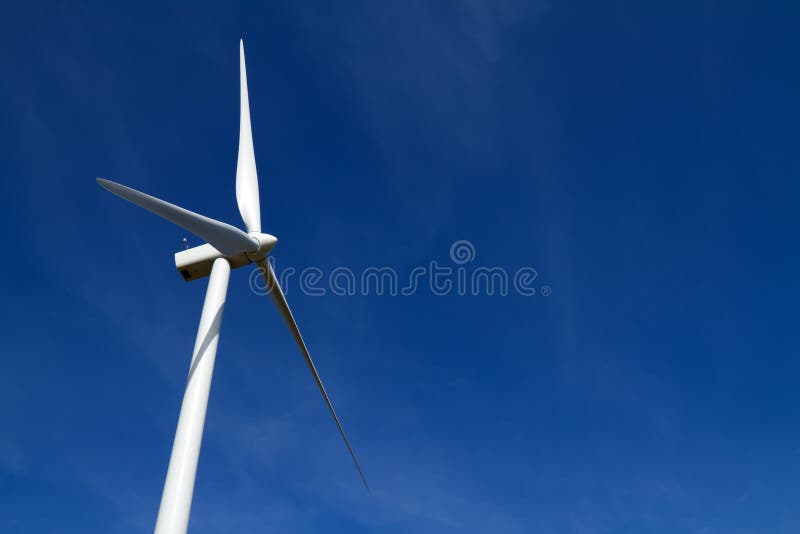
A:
(643, 158)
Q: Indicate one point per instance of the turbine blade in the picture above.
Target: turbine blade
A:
(278, 298)
(246, 176)
(226, 238)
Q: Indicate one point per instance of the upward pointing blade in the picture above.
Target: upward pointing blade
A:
(276, 294)
(226, 238)
(246, 176)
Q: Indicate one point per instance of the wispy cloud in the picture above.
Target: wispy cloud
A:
(421, 69)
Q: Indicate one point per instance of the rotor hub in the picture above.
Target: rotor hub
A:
(266, 243)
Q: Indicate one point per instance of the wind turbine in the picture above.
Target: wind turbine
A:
(228, 248)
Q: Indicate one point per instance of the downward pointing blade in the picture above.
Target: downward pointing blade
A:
(278, 298)
(226, 238)
(246, 176)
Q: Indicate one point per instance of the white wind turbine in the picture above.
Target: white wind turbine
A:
(228, 247)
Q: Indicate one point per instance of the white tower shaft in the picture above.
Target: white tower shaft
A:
(176, 500)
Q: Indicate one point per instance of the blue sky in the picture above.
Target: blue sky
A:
(642, 158)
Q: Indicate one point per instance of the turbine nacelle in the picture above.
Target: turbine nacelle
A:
(196, 262)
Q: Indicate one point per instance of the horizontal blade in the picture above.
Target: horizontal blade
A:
(278, 298)
(246, 176)
(226, 238)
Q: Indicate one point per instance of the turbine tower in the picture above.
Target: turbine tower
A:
(227, 248)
